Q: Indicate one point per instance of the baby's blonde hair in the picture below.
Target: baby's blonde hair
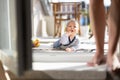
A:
(72, 20)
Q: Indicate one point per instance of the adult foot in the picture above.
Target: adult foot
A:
(113, 63)
(97, 60)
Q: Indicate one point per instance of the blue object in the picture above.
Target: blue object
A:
(82, 21)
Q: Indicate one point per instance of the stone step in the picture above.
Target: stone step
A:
(65, 75)
(62, 57)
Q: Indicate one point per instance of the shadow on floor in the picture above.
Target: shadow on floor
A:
(113, 75)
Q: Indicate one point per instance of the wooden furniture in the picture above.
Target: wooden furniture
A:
(64, 11)
(2, 72)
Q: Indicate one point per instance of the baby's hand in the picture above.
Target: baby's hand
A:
(69, 49)
(69, 33)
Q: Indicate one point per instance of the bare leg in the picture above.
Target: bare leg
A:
(97, 23)
(114, 32)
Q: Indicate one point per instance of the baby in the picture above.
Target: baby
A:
(69, 41)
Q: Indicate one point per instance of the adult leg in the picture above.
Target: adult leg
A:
(97, 23)
(114, 32)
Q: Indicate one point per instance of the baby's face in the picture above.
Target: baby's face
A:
(72, 27)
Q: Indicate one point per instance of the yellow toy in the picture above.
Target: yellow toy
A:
(36, 42)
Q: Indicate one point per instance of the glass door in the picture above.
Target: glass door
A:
(15, 35)
(8, 35)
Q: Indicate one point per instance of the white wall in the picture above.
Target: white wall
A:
(37, 15)
(45, 27)
(39, 20)
(50, 25)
